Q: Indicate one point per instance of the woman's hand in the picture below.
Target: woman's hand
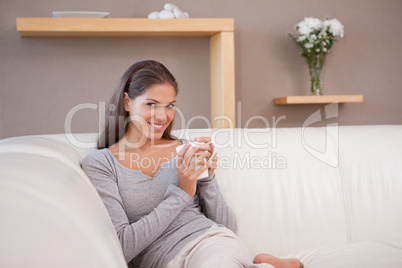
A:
(186, 169)
(213, 162)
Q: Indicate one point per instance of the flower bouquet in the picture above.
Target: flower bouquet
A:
(315, 37)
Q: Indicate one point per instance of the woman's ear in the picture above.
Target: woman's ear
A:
(126, 101)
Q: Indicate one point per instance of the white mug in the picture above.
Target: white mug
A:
(204, 174)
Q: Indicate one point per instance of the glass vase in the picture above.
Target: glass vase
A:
(316, 86)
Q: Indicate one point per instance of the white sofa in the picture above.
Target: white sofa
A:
(329, 196)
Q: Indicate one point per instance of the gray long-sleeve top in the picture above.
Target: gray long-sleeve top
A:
(153, 217)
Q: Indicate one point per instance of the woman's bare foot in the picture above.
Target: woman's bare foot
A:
(277, 262)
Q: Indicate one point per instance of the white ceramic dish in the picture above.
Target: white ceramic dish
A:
(79, 14)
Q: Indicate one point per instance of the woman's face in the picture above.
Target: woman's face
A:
(153, 111)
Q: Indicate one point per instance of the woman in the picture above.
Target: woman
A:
(163, 216)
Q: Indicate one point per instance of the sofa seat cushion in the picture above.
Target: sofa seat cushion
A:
(369, 254)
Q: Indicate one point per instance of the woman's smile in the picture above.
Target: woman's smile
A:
(157, 127)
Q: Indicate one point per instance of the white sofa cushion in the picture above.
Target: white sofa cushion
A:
(51, 217)
(370, 254)
(41, 146)
(53, 146)
(371, 160)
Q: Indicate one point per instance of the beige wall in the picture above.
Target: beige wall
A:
(42, 79)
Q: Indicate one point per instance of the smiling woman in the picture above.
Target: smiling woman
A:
(146, 80)
(164, 213)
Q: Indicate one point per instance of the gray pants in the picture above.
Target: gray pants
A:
(218, 247)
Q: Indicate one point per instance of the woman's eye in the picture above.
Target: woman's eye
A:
(151, 104)
(171, 106)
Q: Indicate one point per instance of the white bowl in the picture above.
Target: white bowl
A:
(79, 14)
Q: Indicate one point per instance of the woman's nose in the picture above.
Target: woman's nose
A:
(160, 113)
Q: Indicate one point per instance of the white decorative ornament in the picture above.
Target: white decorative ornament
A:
(178, 13)
(169, 6)
(169, 11)
(153, 15)
(166, 14)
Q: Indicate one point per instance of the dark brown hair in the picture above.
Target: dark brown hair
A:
(135, 81)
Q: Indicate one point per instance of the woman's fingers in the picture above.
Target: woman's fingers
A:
(208, 145)
(185, 156)
(199, 171)
(213, 164)
(202, 139)
(198, 161)
(214, 161)
(190, 154)
(197, 166)
(180, 155)
(207, 154)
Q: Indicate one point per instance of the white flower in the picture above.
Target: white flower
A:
(308, 45)
(335, 27)
(313, 23)
(326, 24)
(301, 38)
(303, 28)
(308, 25)
(315, 37)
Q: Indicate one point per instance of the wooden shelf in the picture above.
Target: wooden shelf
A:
(121, 27)
(319, 99)
(220, 31)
